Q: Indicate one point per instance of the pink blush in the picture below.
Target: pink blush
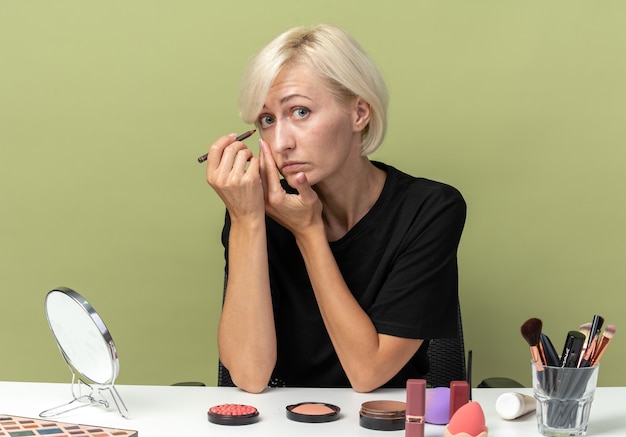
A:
(233, 409)
(233, 414)
(313, 412)
(313, 409)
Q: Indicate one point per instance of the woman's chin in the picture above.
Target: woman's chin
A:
(291, 178)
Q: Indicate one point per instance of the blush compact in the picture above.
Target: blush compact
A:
(313, 412)
(233, 414)
(383, 415)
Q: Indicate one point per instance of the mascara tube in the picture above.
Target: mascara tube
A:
(573, 347)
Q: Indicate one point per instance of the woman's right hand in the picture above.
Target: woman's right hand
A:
(234, 173)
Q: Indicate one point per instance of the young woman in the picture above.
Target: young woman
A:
(339, 269)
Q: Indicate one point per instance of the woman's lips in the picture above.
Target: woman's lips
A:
(292, 167)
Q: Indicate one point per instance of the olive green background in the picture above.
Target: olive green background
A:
(105, 106)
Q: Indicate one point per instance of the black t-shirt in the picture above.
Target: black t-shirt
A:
(400, 263)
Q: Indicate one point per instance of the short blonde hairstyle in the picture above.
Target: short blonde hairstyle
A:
(339, 60)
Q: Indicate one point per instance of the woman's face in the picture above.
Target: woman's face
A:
(307, 130)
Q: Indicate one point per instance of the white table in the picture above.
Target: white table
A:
(182, 411)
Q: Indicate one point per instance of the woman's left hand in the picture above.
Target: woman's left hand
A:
(297, 212)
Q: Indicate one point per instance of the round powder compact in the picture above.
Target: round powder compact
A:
(383, 415)
(233, 414)
(313, 412)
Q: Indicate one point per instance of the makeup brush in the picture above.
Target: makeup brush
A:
(584, 329)
(531, 331)
(607, 336)
(596, 326)
(592, 340)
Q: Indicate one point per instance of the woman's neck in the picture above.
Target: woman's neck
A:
(349, 200)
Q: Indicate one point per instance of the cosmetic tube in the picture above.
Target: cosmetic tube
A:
(415, 407)
(513, 405)
(459, 395)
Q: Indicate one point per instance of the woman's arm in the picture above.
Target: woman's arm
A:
(246, 333)
(369, 359)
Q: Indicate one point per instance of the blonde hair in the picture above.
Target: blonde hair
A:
(337, 58)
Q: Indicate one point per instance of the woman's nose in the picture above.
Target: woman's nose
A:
(283, 138)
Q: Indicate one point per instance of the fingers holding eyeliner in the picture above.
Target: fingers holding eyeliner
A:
(240, 160)
(228, 163)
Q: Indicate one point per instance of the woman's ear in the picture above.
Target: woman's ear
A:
(362, 114)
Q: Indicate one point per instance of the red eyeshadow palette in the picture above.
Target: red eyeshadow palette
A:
(14, 426)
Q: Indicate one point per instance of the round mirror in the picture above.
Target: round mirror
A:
(88, 349)
(82, 336)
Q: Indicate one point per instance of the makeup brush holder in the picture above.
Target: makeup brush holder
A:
(564, 396)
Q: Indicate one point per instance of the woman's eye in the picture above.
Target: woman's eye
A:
(266, 120)
(300, 112)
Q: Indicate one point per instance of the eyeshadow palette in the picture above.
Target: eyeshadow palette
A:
(13, 426)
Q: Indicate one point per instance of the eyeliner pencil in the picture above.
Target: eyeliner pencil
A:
(241, 137)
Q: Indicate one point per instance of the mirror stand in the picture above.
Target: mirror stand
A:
(84, 395)
(88, 351)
